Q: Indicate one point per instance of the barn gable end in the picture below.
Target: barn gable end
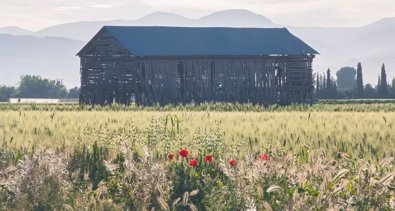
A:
(103, 44)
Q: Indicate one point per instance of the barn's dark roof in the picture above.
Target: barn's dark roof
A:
(208, 41)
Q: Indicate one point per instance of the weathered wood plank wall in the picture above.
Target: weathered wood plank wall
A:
(173, 81)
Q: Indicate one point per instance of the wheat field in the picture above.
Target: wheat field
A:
(364, 134)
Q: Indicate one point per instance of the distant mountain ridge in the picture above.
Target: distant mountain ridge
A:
(14, 30)
(371, 44)
(51, 57)
(85, 30)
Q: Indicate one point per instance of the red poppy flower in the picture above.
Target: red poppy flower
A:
(193, 162)
(263, 156)
(184, 153)
(232, 162)
(208, 158)
(171, 156)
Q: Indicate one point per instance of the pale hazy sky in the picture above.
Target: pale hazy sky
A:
(37, 14)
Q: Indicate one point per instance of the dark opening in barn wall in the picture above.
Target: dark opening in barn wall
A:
(146, 66)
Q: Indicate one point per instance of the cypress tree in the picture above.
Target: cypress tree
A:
(359, 81)
(317, 90)
(324, 91)
(378, 88)
(322, 86)
(383, 83)
(328, 83)
(393, 88)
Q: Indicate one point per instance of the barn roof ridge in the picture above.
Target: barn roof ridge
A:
(207, 41)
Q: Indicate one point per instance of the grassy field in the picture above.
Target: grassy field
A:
(302, 142)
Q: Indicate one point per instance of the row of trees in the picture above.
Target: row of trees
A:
(349, 84)
(31, 86)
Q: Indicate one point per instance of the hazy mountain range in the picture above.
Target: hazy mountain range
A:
(50, 52)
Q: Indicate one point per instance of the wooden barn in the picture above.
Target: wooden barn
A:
(178, 65)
